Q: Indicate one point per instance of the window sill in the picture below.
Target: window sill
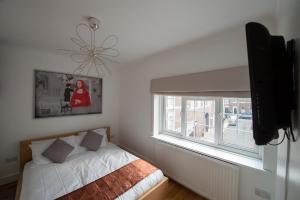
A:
(213, 152)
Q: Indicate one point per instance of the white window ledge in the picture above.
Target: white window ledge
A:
(212, 152)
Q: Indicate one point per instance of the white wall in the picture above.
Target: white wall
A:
(226, 49)
(288, 18)
(16, 102)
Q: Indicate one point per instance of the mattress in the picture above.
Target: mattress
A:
(50, 181)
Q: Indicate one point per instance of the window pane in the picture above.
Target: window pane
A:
(237, 123)
(172, 114)
(200, 119)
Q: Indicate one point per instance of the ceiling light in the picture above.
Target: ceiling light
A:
(90, 55)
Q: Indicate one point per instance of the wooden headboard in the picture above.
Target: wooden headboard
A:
(25, 150)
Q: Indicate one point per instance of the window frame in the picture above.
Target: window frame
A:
(217, 141)
(163, 114)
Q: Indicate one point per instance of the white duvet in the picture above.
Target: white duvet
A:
(50, 181)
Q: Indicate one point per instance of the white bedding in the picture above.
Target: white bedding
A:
(50, 181)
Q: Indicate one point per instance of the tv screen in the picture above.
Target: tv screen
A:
(271, 83)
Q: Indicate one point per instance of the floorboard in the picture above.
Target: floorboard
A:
(8, 191)
(176, 191)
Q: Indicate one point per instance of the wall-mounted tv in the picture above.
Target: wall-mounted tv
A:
(271, 82)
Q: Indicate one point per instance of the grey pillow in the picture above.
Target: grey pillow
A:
(58, 151)
(92, 141)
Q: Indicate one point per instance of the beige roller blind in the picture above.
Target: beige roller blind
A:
(231, 82)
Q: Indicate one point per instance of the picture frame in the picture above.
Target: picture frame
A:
(62, 94)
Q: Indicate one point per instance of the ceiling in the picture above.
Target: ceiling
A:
(144, 27)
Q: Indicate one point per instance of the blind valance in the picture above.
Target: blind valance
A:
(230, 82)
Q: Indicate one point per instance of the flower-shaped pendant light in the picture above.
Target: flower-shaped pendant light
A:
(89, 55)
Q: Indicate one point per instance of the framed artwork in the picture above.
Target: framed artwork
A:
(61, 94)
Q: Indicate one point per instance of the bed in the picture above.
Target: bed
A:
(81, 171)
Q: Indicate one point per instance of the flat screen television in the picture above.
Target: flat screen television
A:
(271, 82)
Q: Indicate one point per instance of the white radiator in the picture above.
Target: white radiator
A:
(211, 178)
(223, 179)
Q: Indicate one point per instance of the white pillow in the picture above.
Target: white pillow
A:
(80, 136)
(78, 140)
(38, 147)
(102, 131)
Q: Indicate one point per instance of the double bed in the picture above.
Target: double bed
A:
(89, 175)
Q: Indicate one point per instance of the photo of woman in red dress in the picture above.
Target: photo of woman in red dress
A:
(80, 97)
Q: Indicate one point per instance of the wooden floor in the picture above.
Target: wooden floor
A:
(8, 191)
(174, 192)
(178, 192)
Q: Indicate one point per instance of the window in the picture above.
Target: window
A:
(220, 122)
(237, 123)
(200, 120)
(173, 114)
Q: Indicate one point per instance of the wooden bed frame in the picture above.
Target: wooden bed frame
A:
(156, 193)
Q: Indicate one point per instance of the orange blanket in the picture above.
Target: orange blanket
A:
(114, 184)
